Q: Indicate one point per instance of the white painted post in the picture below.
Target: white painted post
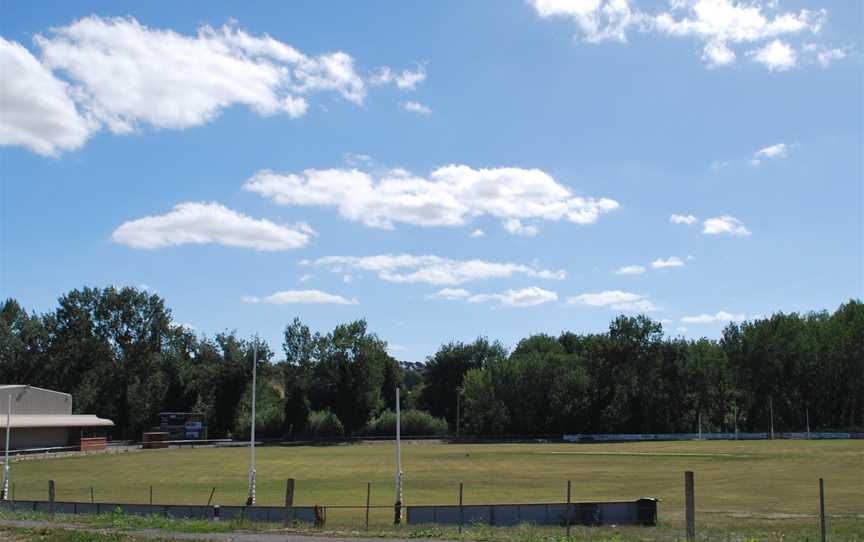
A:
(771, 410)
(5, 489)
(250, 500)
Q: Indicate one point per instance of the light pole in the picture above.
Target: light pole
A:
(250, 500)
(397, 507)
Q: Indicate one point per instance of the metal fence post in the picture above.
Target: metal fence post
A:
(690, 505)
(368, 497)
(568, 508)
(822, 508)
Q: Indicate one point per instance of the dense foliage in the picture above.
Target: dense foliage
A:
(121, 356)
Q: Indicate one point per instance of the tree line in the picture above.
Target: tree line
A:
(121, 356)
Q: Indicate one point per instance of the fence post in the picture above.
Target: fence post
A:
(151, 495)
(822, 508)
(212, 492)
(92, 499)
(368, 496)
(568, 508)
(690, 505)
(51, 496)
(289, 502)
(461, 509)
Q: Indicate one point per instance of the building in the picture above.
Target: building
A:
(43, 419)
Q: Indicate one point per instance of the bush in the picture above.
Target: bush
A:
(323, 423)
(414, 423)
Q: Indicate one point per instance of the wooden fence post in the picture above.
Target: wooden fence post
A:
(92, 499)
(210, 498)
(822, 508)
(51, 496)
(568, 508)
(461, 509)
(289, 502)
(690, 505)
(368, 497)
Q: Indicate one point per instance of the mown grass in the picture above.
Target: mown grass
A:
(761, 485)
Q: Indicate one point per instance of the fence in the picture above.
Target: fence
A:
(639, 512)
(640, 437)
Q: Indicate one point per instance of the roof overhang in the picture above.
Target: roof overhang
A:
(22, 421)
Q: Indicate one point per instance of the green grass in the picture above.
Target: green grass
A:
(770, 484)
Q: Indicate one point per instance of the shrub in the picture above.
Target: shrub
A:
(414, 423)
(323, 423)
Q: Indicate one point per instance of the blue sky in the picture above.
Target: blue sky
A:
(445, 170)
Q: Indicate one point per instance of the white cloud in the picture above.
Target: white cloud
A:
(724, 224)
(630, 270)
(682, 219)
(478, 233)
(406, 80)
(719, 317)
(206, 223)
(672, 261)
(451, 294)
(451, 196)
(525, 297)
(306, 277)
(516, 227)
(777, 56)
(407, 268)
(416, 107)
(615, 299)
(36, 110)
(121, 75)
(717, 53)
(716, 23)
(301, 296)
(777, 152)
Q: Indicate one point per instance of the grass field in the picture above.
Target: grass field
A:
(735, 481)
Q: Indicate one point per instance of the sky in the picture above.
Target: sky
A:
(445, 170)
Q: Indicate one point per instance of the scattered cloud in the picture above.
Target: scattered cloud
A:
(36, 110)
(682, 219)
(407, 268)
(451, 294)
(353, 159)
(451, 196)
(672, 261)
(777, 56)
(773, 152)
(718, 24)
(416, 107)
(615, 299)
(478, 233)
(516, 227)
(719, 317)
(825, 56)
(724, 224)
(306, 277)
(407, 79)
(209, 223)
(630, 270)
(525, 297)
(288, 297)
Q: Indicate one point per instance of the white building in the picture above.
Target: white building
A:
(43, 418)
